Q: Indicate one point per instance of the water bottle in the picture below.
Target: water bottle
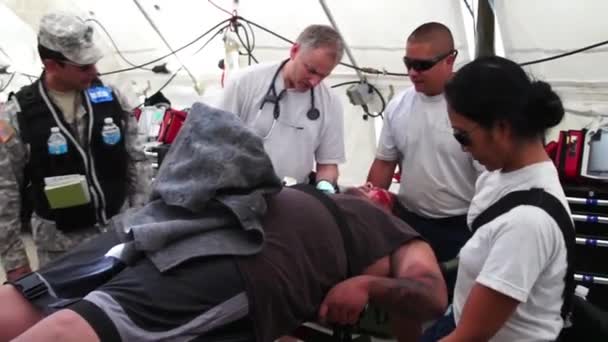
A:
(110, 133)
(57, 143)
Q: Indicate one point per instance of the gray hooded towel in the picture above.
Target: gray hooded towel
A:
(208, 197)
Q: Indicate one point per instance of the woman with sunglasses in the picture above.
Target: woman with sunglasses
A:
(510, 282)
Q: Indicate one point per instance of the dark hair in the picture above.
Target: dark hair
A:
(493, 89)
(46, 53)
(433, 31)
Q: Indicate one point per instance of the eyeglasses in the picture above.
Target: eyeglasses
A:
(426, 64)
(81, 67)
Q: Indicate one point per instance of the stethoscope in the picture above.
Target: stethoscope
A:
(274, 98)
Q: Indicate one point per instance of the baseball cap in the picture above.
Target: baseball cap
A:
(69, 35)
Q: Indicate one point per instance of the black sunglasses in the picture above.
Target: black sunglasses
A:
(463, 139)
(426, 64)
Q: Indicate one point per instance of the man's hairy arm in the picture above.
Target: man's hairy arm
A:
(408, 284)
(412, 298)
(417, 289)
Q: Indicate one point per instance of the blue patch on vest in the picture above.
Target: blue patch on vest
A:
(100, 94)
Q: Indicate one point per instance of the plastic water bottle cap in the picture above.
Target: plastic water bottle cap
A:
(108, 121)
(55, 129)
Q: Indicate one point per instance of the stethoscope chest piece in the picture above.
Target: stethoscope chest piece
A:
(313, 114)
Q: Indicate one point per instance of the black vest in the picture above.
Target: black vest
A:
(104, 166)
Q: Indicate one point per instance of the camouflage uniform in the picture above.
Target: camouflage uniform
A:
(49, 241)
(71, 38)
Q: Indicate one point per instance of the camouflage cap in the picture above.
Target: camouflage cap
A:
(70, 36)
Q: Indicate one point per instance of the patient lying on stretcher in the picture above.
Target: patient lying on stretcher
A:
(247, 258)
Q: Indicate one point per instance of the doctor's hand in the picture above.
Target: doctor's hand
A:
(326, 187)
(346, 301)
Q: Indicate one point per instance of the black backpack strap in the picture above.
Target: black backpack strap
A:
(552, 206)
(338, 217)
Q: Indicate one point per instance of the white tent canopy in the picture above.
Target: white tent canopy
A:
(534, 30)
(374, 30)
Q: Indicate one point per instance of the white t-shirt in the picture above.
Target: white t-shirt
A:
(295, 142)
(521, 254)
(437, 177)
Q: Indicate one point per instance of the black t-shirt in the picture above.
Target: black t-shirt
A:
(304, 256)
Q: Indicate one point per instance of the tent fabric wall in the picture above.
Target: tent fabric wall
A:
(550, 27)
(375, 31)
(376, 34)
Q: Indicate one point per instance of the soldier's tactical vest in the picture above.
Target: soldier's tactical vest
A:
(103, 165)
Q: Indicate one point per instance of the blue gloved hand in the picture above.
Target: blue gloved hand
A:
(326, 187)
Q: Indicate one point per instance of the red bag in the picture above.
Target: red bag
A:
(171, 125)
(551, 149)
(569, 154)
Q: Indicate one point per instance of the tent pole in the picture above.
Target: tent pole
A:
(350, 55)
(484, 46)
(157, 30)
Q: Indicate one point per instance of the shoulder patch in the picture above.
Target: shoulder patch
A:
(100, 94)
(6, 131)
(8, 119)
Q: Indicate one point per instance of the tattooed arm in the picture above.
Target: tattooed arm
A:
(408, 285)
(416, 288)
